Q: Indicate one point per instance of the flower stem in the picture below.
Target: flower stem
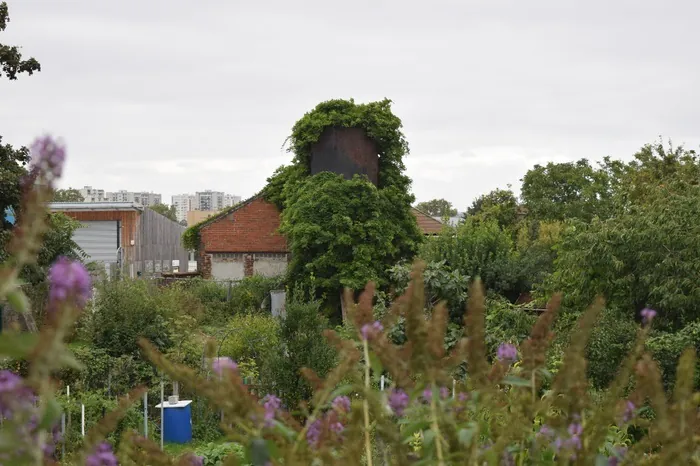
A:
(365, 405)
(436, 428)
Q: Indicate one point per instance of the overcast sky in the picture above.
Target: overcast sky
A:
(178, 96)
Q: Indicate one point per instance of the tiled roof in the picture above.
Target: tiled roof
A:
(427, 224)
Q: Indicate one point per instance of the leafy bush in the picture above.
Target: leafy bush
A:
(611, 340)
(301, 344)
(477, 250)
(667, 348)
(214, 454)
(250, 337)
(506, 322)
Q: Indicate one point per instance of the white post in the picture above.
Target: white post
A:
(162, 410)
(82, 419)
(68, 391)
(454, 384)
(145, 414)
(381, 383)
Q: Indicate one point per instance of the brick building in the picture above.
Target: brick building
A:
(244, 240)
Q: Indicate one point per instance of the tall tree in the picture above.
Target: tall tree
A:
(10, 57)
(500, 205)
(437, 208)
(166, 211)
(67, 195)
(572, 190)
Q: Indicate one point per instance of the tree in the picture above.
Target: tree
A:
(477, 249)
(437, 208)
(500, 205)
(166, 211)
(12, 168)
(572, 190)
(10, 57)
(648, 256)
(67, 195)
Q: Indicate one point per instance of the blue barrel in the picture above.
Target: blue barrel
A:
(177, 421)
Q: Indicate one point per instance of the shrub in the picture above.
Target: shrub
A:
(301, 344)
(250, 337)
(610, 342)
(506, 322)
(125, 311)
(667, 348)
(214, 454)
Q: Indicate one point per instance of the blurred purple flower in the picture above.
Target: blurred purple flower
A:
(223, 363)
(398, 401)
(371, 330)
(103, 456)
(337, 428)
(647, 315)
(272, 405)
(48, 156)
(461, 396)
(546, 431)
(619, 455)
(575, 429)
(444, 393)
(427, 395)
(313, 433)
(629, 413)
(69, 280)
(196, 460)
(341, 404)
(9, 381)
(507, 353)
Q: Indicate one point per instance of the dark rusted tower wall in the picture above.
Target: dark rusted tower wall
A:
(346, 151)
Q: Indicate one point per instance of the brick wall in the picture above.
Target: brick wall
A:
(250, 229)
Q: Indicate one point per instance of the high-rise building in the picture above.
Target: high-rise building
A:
(139, 197)
(91, 194)
(183, 203)
(231, 200)
(209, 200)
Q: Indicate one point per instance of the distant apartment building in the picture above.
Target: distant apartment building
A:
(183, 203)
(202, 201)
(139, 197)
(230, 200)
(91, 194)
(209, 200)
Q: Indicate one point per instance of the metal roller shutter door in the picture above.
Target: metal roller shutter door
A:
(99, 240)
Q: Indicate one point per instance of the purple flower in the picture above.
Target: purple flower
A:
(195, 460)
(371, 330)
(629, 413)
(48, 157)
(546, 431)
(575, 429)
(313, 433)
(647, 315)
(444, 393)
(337, 428)
(224, 363)
(461, 396)
(341, 404)
(9, 381)
(617, 457)
(398, 401)
(69, 279)
(103, 456)
(427, 395)
(271, 405)
(507, 353)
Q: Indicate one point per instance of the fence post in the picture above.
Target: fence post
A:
(162, 411)
(454, 384)
(381, 383)
(82, 419)
(145, 414)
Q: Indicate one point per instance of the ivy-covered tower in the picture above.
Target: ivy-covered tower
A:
(347, 152)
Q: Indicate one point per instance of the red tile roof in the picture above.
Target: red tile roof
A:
(427, 224)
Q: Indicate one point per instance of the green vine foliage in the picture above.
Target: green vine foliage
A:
(376, 118)
(342, 233)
